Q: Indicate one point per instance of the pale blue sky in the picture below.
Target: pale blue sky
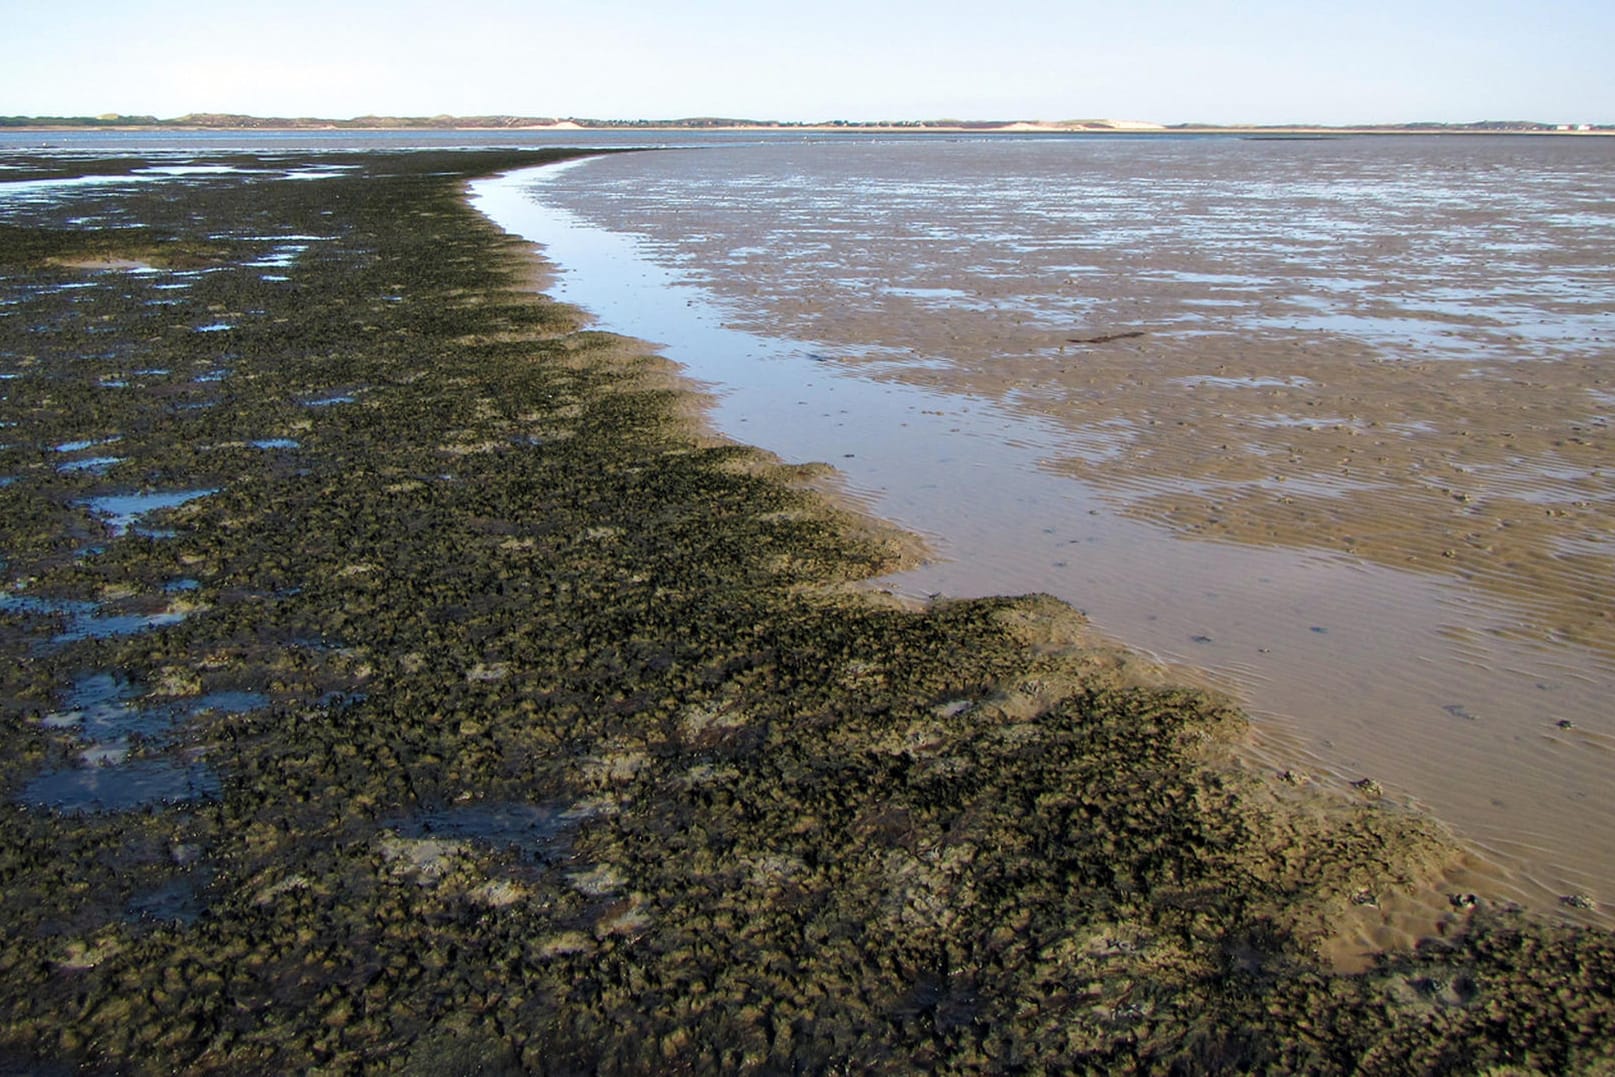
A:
(1169, 61)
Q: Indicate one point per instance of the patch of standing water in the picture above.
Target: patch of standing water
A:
(126, 786)
(96, 465)
(49, 190)
(104, 710)
(81, 445)
(178, 901)
(279, 258)
(83, 619)
(92, 699)
(108, 625)
(1218, 382)
(188, 170)
(327, 172)
(535, 831)
(39, 606)
(122, 513)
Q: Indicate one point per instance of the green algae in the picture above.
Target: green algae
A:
(772, 824)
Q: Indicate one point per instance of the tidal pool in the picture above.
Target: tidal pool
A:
(534, 831)
(122, 513)
(127, 786)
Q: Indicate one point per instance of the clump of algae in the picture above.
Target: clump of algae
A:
(578, 753)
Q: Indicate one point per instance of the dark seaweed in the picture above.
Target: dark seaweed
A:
(576, 757)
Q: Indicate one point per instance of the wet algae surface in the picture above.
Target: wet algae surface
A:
(398, 680)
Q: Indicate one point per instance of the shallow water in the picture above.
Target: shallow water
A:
(127, 786)
(82, 620)
(1346, 449)
(122, 513)
(107, 712)
(536, 832)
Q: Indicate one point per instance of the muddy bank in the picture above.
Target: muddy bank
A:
(494, 716)
(1329, 422)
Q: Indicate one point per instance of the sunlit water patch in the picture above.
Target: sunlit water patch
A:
(122, 513)
(81, 619)
(113, 719)
(95, 465)
(127, 786)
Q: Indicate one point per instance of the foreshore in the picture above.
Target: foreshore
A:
(442, 696)
(1130, 410)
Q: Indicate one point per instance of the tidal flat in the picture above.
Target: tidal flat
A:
(479, 711)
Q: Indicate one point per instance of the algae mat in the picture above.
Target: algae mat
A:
(398, 680)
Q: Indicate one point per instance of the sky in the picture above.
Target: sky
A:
(1167, 61)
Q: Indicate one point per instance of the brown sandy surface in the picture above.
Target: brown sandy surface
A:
(1395, 360)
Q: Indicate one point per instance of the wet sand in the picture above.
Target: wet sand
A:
(1369, 386)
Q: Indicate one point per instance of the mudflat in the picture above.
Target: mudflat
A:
(1329, 420)
(401, 679)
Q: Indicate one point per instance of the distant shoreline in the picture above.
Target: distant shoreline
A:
(215, 122)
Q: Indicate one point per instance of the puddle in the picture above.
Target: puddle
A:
(534, 831)
(176, 902)
(95, 465)
(215, 327)
(103, 709)
(92, 699)
(189, 170)
(328, 172)
(37, 606)
(279, 258)
(85, 620)
(122, 513)
(106, 626)
(1216, 382)
(219, 704)
(274, 443)
(80, 446)
(40, 190)
(125, 787)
